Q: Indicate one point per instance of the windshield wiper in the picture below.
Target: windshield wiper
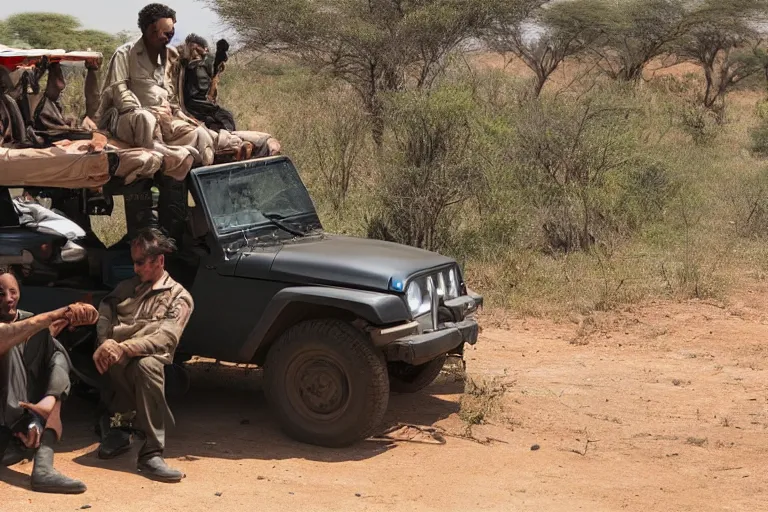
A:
(276, 219)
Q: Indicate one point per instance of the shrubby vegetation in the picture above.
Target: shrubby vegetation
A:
(571, 155)
(52, 30)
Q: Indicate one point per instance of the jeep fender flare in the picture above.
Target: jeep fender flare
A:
(377, 308)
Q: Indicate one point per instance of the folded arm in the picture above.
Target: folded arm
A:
(166, 337)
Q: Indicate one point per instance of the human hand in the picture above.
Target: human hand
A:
(74, 315)
(48, 412)
(31, 438)
(89, 125)
(274, 146)
(80, 313)
(93, 63)
(109, 353)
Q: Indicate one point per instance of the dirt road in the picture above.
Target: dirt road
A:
(660, 408)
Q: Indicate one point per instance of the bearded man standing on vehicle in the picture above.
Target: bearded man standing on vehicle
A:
(140, 324)
(34, 379)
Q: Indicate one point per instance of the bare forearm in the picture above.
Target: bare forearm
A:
(14, 333)
(92, 96)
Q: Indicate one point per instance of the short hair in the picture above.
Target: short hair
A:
(153, 242)
(194, 38)
(153, 12)
(7, 269)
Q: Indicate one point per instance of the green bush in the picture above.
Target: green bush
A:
(702, 124)
(759, 137)
(429, 168)
(578, 165)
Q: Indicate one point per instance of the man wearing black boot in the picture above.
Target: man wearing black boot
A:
(140, 324)
(34, 379)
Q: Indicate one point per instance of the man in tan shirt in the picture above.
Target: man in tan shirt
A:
(135, 163)
(140, 325)
(140, 101)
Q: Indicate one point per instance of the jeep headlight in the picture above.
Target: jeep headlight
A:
(417, 297)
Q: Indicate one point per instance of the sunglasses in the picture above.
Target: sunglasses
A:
(141, 261)
(169, 34)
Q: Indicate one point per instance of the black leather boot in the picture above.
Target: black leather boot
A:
(47, 479)
(114, 442)
(153, 466)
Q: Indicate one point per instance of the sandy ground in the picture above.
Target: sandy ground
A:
(660, 407)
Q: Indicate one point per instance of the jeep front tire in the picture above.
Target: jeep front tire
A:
(326, 382)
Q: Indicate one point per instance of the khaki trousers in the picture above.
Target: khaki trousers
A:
(139, 385)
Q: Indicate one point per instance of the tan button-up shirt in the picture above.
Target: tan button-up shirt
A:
(134, 81)
(145, 320)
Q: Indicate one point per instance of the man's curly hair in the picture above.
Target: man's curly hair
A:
(153, 12)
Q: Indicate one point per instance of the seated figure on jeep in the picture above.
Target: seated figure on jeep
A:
(34, 379)
(135, 163)
(52, 149)
(66, 164)
(49, 113)
(140, 103)
(139, 328)
(199, 74)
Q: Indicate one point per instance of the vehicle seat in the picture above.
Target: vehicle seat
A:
(55, 243)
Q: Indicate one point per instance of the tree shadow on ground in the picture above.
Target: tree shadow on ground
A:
(225, 415)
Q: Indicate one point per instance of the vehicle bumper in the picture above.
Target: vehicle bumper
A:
(420, 348)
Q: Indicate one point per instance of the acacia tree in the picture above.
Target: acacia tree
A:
(54, 30)
(5, 33)
(636, 32)
(377, 46)
(726, 44)
(543, 34)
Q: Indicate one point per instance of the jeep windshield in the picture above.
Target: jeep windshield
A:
(257, 195)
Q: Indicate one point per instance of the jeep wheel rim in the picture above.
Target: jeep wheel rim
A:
(319, 387)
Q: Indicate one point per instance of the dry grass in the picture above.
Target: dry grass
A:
(696, 250)
(481, 402)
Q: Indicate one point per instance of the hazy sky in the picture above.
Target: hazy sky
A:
(115, 15)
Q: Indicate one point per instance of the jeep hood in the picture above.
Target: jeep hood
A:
(341, 261)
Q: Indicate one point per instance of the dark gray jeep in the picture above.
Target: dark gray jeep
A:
(336, 322)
